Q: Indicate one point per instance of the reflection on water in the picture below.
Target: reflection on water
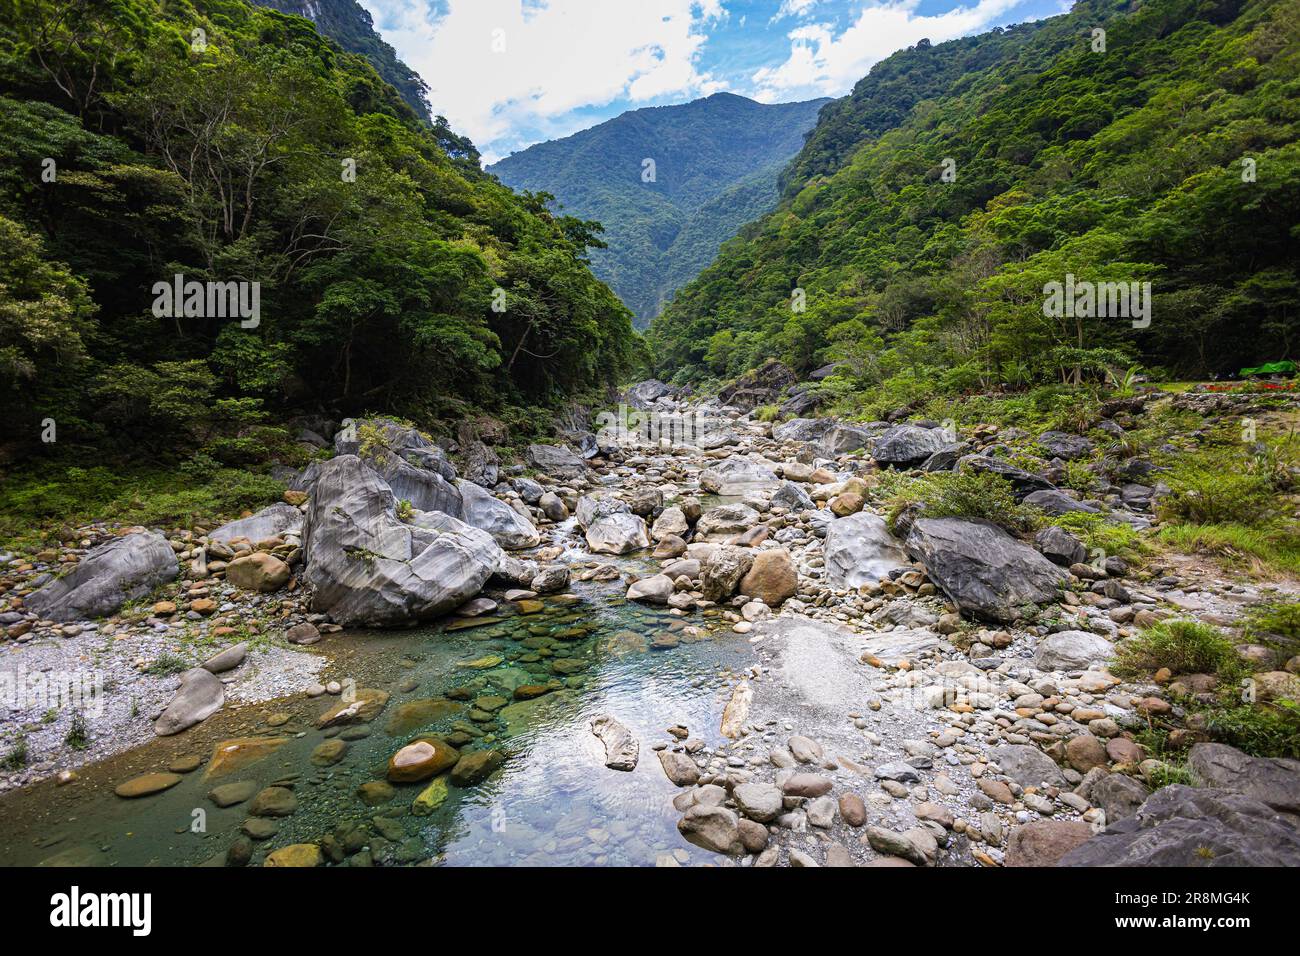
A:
(526, 684)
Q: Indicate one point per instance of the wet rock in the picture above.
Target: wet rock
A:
(200, 696)
(123, 569)
(421, 760)
(273, 802)
(679, 768)
(713, 828)
(368, 703)
(147, 785)
(295, 855)
(981, 568)
(621, 749)
(476, 766)
(655, 589)
(232, 794)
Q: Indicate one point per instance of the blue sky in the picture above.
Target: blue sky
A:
(510, 73)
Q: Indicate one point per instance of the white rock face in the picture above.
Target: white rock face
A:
(111, 574)
(483, 510)
(860, 549)
(365, 566)
(1072, 650)
(738, 476)
(278, 519)
(618, 533)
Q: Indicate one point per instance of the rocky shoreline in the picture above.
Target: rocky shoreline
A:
(927, 690)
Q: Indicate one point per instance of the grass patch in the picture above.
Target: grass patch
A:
(964, 494)
(1271, 730)
(1183, 646)
(17, 756)
(1098, 533)
(767, 413)
(36, 502)
(1260, 550)
(165, 665)
(78, 738)
(1280, 619)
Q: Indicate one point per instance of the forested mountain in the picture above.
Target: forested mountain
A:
(350, 25)
(921, 236)
(227, 143)
(715, 166)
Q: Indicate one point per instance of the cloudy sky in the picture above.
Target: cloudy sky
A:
(510, 73)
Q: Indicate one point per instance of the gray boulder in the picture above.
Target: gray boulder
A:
(1028, 766)
(790, 496)
(905, 446)
(644, 394)
(1059, 546)
(656, 589)
(727, 519)
(946, 458)
(842, 439)
(1274, 781)
(1185, 826)
(201, 695)
(1054, 502)
(278, 519)
(366, 567)
(1064, 445)
(982, 569)
(1118, 795)
(481, 509)
(108, 576)
(738, 476)
(1023, 483)
(558, 461)
(1072, 651)
(413, 467)
(803, 429)
(721, 571)
(859, 549)
(593, 507)
(618, 533)
(482, 466)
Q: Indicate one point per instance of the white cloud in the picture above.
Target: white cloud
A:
(821, 63)
(793, 8)
(559, 56)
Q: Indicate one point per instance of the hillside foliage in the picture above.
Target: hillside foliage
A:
(1169, 158)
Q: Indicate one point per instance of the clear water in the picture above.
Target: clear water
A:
(552, 803)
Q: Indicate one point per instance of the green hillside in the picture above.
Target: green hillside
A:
(716, 163)
(1170, 157)
(393, 274)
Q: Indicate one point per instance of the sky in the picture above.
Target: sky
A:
(510, 73)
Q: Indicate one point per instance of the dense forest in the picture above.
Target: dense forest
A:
(350, 25)
(227, 143)
(716, 163)
(1135, 142)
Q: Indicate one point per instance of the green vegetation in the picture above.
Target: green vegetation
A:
(963, 494)
(1266, 731)
(1279, 619)
(1183, 646)
(1101, 534)
(17, 756)
(716, 165)
(77, 737)
(167, 664)
(136, 155)
(1124, 165)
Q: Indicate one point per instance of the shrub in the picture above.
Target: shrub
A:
(966, 495)
(767, 413)
(1183, 646)
(16, 758)
(1100, 534)
(164, 665)
(1279, 619)
(1262, 731)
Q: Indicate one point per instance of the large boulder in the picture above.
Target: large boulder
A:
(201, 695)
(738, 476)
(842, 439)
(591, 508)
(1274, 781)
(772, 578)
(618, 533)
(803, 429)
(108, 576)
(859, 550)
(1064, 445)
(761, 386)
(258, 571)
(1023, 483)
(1186, 826)
(366, 567)
(1072, 651)
(558, 461)
(722, 570)
(905, 446)
(1028, 766)
(1054, 502)
(412, 466)
(983, 570)
(793, 498)
(277, 520)
(1059, 546)
(482, 466)
(483, 510)
(644, 394)
(1044, 842)
(727, 520)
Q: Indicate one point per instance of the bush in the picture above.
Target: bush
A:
(1210, 495)
(1279, 619)
(965, 495)
(1100, 534)
(1262, 731)
(1183, 646)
